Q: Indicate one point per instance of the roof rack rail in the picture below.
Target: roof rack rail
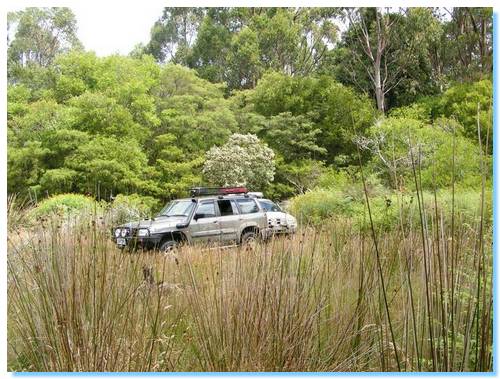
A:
(212, 191)
(258, 195)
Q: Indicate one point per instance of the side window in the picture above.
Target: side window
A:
(235, 207)
(247, 206)
(206, 210)
(269, 206)
(227, 207)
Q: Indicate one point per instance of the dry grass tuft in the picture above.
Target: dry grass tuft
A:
(312, 302)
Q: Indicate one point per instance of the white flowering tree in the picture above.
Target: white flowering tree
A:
(243, 161)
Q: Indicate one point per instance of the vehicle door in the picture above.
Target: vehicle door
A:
(250, 214)
(204, 226)
(229, 221)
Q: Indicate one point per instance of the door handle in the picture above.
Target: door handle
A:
(215, 222)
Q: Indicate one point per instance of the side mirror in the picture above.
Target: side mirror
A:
(182, 225)
(196, 217)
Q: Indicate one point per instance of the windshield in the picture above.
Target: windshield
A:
(269, 206)
(177, 208)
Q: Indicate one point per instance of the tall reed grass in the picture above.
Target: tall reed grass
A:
(311, 302)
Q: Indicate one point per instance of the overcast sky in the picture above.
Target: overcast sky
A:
(108, 28)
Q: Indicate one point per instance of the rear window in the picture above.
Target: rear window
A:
(247, 206)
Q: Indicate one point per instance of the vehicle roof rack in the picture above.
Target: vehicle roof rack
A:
(258, 195)
(214, 191)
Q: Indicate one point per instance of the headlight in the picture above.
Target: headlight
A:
(123, 232)
(117, 232)
(143, 232)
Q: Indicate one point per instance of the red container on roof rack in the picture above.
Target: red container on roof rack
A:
(232, 190)
(208, 191)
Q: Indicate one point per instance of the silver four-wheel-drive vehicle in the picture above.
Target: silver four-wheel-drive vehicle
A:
(212, 215)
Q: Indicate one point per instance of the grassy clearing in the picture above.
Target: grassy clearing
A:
(313, 302)
(316, 206)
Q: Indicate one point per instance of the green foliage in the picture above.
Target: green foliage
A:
(321, 204)
(417, 111)
(244, 63)
(108, 125)
(332, 178)
(132, 207)
(25, 166)
(62, 143)
(211, 47)
(388, 210)
(236, 45)
(99, 114)
(335, 110)
(295, 137)
(295, 177)
(398, 57)
(39, 34)
(64, 205)
(382, 51)
(467, 205)
(466, 102)
(194, 116)
(173, 34)
(39, 117)
(113, 125)
(58, 180)
(193, 110)
(337, 194)
(108, 163)
(470, 48)
(399, 144)
(19, 97)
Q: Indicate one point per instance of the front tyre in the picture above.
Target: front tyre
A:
(168, 247)
(249, 240)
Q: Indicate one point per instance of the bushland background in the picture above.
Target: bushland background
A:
(373, 125)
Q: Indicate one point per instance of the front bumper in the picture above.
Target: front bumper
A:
(134, 242)
(273, 230)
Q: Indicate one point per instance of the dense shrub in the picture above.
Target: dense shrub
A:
(388, 211)
(129, 207)
(321, 204)
(349, 181)
(398, 144)
(123, 208)
(466, 102)
(65, 205)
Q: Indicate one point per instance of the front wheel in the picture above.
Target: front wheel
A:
(168, 246)
(249, 240)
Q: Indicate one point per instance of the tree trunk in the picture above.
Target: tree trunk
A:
(379, 90)
(377, 81)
